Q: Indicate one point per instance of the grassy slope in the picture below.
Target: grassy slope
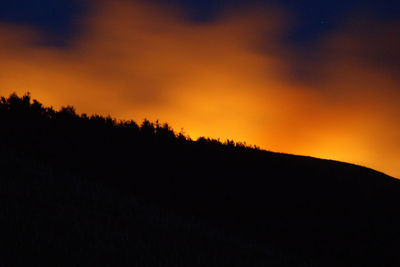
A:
(327, 212)
(53, 218)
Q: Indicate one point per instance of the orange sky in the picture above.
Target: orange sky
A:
(230, 78)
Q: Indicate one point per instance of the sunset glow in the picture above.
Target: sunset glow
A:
(231, 78)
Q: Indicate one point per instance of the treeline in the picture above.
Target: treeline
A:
(103, 147)
(23, 112)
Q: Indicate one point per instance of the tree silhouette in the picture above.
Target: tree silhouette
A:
(305, 206)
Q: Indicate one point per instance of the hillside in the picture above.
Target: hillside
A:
(103, 192)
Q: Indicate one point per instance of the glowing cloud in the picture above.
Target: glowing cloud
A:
(230, 78)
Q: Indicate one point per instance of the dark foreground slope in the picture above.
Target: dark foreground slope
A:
(71, 187)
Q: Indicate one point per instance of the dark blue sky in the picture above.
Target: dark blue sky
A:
(312, 17)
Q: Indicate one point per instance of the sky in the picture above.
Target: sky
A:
(317, 78)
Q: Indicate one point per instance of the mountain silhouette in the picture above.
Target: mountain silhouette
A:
(91, 190)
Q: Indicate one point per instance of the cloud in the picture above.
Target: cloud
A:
(358, 81)
(230, 77)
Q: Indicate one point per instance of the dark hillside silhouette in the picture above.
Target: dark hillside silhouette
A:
(314, 212)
